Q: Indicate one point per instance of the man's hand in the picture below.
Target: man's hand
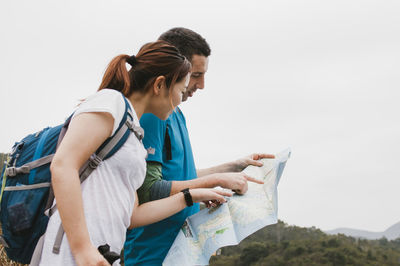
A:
(236, 181)
(235, 166)
(252, 159)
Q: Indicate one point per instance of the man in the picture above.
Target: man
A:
(170, 163)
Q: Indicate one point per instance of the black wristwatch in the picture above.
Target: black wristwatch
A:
(188, 197)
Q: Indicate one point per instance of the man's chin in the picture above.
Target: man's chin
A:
(185, 97)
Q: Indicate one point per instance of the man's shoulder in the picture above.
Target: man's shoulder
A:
(177, 116)
(151, 118)
(151, 122)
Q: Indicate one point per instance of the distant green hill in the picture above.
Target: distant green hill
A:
(281, 244)
(390, 233)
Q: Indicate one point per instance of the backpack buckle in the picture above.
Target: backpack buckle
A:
(139, 132)
(11, 171)
(94, 161)
(129, 124)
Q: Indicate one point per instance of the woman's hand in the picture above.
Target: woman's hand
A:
(209, 195)
(90, 257)
(236, 181)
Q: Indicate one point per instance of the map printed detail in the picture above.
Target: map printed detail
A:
(228, 224)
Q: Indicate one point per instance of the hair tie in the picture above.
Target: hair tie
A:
(131, 60)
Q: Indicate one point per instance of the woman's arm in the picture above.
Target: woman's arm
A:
(86, 132)
(154, 211)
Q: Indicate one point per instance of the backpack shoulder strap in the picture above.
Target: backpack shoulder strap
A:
(106, 150)
(112, 144)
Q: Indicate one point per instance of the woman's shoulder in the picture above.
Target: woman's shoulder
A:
(106, 101)
(108, 95)
(105, 98)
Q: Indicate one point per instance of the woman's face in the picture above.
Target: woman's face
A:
(169, 99)
(178, 90)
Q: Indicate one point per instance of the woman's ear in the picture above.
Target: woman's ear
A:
(158, 85)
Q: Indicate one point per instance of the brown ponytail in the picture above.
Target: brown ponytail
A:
(153, 60)
(116, 76)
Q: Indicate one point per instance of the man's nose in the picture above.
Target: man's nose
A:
(200, 84)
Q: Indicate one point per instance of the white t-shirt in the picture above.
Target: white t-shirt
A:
(109, 192)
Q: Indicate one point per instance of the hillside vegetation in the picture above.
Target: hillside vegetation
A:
(281, 244)
(3, 158)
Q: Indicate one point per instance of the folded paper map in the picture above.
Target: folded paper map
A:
(228, 224)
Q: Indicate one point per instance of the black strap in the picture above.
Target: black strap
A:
(167, 144)
(110, 256)
(188, 197)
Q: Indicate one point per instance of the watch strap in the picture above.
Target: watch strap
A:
(188, 197)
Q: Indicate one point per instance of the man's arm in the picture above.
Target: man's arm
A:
(235, 166)
(155, 188)
(153, 176)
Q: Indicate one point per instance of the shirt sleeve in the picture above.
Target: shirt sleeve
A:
(104, 101)
(153, 187)
(154, 134)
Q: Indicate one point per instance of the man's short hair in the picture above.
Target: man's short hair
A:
(187, 41)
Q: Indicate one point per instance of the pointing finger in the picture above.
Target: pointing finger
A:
(252, 179)
(258, 156)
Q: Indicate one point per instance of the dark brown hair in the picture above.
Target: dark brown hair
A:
(153, 60)
(187, 41)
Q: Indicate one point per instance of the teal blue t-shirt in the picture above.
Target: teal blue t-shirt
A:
(149, 245)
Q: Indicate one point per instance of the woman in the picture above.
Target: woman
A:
(101, 209)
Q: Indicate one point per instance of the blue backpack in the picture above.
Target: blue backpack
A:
(26, 196)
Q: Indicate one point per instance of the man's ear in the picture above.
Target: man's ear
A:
(158, 85)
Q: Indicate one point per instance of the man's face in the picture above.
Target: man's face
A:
(199, 69)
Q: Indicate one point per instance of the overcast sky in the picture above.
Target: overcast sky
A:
(321, 77)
